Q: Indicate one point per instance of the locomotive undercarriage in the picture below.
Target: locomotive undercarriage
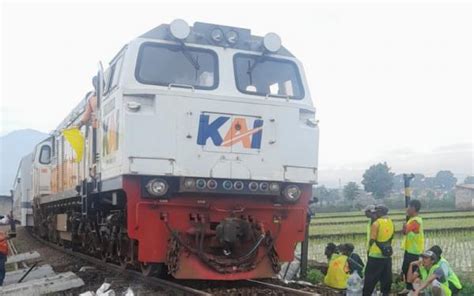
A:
(101, 232)
(234, 244)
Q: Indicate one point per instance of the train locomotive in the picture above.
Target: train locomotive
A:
(200, 161)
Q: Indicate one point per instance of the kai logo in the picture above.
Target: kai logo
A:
(246, 131)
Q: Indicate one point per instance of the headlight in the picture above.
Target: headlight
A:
(272, 42)
(253, 186)
(292, 193)
(264, 186)
(179, 29)
(157, 187)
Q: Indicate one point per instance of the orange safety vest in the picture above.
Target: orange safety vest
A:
(3, 243)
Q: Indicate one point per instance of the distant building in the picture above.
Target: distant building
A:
(465, 196)
(5, 204)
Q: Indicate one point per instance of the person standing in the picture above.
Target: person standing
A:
(90, 113)
(413, 242)
(369, 213)
(379, 262)
(3, 255)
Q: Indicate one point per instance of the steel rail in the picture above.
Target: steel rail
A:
(290, 291)
(157, 282)
(154, 281)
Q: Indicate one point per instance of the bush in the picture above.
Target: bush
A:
(467, 287)
(315, 276)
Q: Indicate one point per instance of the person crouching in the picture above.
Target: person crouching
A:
(354, 260)
(428, 274)
(338, 268)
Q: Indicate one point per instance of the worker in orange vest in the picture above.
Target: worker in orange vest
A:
(3, 254)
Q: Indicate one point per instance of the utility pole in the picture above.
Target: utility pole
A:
(304, 249)
(406, 182)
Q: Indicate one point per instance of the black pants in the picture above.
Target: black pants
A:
(407, 259)
(378, 269)
(454, 290)
(3, 259)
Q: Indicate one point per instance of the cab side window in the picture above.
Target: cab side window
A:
(109, 76)
(112, 76)
(45, 155)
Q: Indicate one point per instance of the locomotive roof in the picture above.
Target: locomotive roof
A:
(201, 34)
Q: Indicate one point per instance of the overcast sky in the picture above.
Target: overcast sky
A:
(390, 81)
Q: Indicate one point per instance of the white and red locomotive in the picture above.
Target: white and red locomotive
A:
(201, 159)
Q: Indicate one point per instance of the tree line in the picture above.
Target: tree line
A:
(380, 181)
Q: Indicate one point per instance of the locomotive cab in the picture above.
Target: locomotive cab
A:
(42, 169)
(216, 128)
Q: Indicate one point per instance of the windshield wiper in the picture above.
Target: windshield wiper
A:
(189, 57)
(251, 67)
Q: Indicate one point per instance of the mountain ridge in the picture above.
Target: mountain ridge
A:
(13, 147)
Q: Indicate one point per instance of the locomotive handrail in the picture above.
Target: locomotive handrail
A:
(181, 85)
(151, 157)
(277, 96)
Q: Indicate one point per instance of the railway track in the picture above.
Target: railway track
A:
(188, 287)
(291, 291)
(152, 281)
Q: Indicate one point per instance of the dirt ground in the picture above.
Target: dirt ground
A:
(93, 278)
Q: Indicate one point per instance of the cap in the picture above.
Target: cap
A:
(430, 254)
(370, 208)
(382, 209)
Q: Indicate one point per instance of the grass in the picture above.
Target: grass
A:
(315, 276)
(468, 286)
(397, 215)
(453, 231)
(361, 226)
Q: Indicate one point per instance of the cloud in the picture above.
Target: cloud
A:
(455, 148)
(458, 158)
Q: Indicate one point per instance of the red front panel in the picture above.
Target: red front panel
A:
(146, 223)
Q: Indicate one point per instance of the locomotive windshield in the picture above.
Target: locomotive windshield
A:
(163, 64)
(267, 76)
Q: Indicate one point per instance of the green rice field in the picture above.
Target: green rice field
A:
(452, 230)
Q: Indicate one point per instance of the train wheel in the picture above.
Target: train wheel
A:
(150, 269)
(123, 262)
(122, 253)
(104, 256)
